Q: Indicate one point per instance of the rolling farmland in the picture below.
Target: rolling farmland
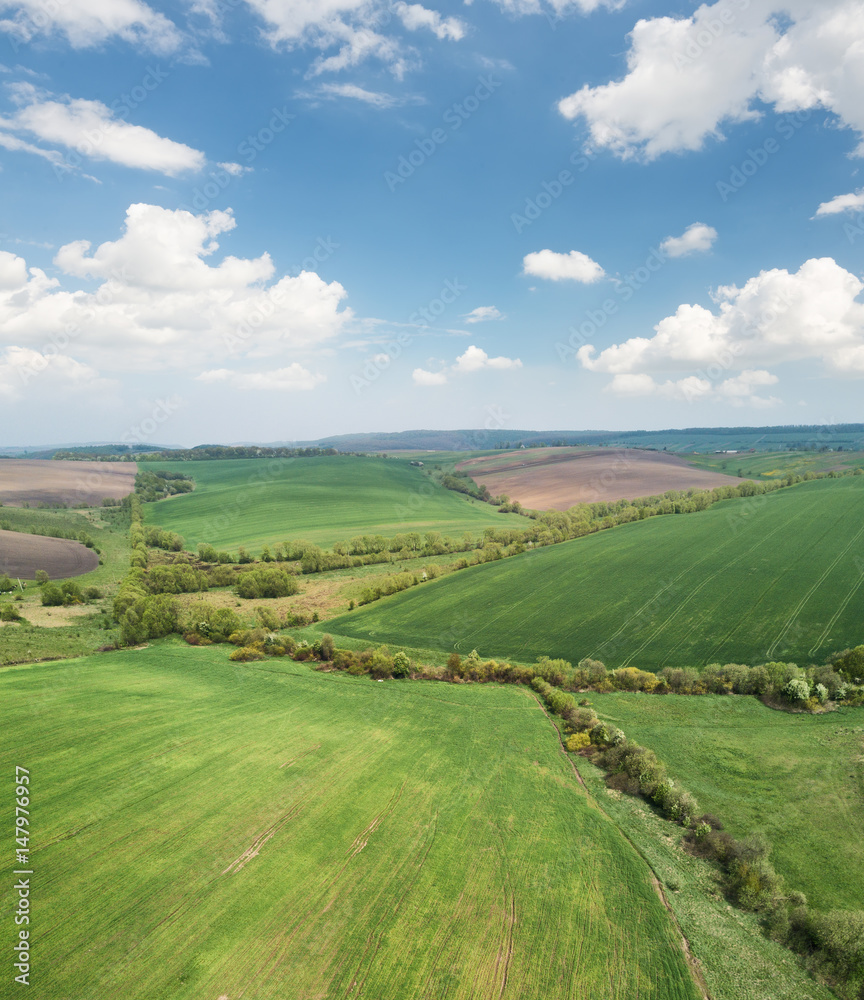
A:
(35, 481)
(559, 478)
(227, 831)
(799, 779)
(772, 577)
(252, 502)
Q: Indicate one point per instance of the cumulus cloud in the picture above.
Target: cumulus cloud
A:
(572, 266)
(22, 370)
(483, 313)
(164, 301)
(474, 359)
(353, 27)
(87, 23)
(689, 77)
(697, 238)
(777, 317)
(92, 130)
(415, 16)
(423, 377)
(739, 390)
(842, 203)
(294, 377)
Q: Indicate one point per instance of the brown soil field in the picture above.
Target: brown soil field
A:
(558, 478)
(22, 555)
(36, 480)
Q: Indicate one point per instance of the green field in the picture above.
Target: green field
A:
(208, 830)
(255, 502)
(799, 779)
(771, 577)
(777, 464)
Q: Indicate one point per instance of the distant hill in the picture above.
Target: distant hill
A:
(849, 437)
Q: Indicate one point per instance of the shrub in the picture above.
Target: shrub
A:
(269, 581)
(599, 734)
(9, 613)
(52, 595)
(212, 623)
(401, 664)
(327, 647)
(245, 654)
(268, 618)
(797, 689)
(578, 741)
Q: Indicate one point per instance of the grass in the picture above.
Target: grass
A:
(737, 961)
(257, 502)
(83, 634)
(205, 829)
(777, 464)
(798, 779)
(772, 577)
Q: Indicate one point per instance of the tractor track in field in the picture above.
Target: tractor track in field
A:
(692, 962)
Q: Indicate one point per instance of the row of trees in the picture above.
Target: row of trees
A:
(832, 943)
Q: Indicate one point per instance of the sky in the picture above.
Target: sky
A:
(277, 220)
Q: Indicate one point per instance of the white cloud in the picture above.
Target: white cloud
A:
(474, 359)
(235, 169)
(87, 23)
(415, 16)
(697, 238)
(23, 370)
(159, 304)
(688, 77)
(91, 130)
(483, 313)
(377, 99)
(556, 9)
(738, 390)
(423, 377)
(573, 266)
(353, 28)
(842, 203)
(776, 317)
(293, 378)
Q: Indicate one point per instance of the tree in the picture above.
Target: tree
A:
(41, 577)
(52, 596)
(401, 664)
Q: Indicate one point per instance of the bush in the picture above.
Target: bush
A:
(401, 664)
(212, 623)
(327, 647)
(578, 741)
(269, 581)
(52, 596)
(9, 613)
(245, 654)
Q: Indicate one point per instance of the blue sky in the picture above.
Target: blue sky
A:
(281, 219)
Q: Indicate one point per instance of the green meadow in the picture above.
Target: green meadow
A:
(255, 502)
(208, 829)
(773, 577)
(797, 779)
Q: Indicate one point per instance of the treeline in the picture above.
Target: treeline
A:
(832, 944)
(211, 452)
(150, 486)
